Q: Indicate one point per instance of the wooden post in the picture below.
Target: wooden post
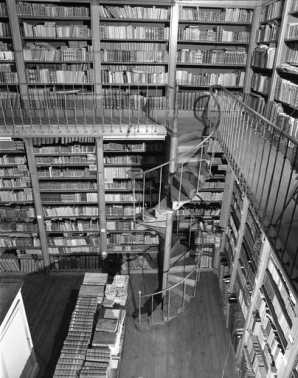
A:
(167, 251)
(37, 202)
(101, 197)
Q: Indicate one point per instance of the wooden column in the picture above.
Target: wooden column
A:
(101, 197)
(37, 202)
(167, 251)
(18, 50)
(94, 12)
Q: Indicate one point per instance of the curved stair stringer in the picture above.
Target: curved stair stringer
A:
(185, 264)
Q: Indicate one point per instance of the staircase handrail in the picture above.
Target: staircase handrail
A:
(250, 110)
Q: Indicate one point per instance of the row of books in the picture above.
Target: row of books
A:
(133, 77)
(286, 91)
(131, 159)
(127, 11)
(67, 172)
(5, 29)
(9, 78)
(193, 100)
(75, 249)
(260, 83)
(75, 241)
(12, 241)
(46, 52)
(51, 10)
(63, 146)
(115, 98)
(229, 56)
(75, 225)
(146, 56)
(67, 185)
(294, 7)
(18, 212)
(286, 293)
(255, 354)
(233, 79)
(3, 9)
(15, 172)
(49, 76)
(292, 30)
(292, 54)
(268, 32)
(200, 211)
(217, 34)
(120, 172)
(31, 263)
(15, 182)
(69, 197)
(215, 15)
(263, 56)
(127, 225)
(51, 30)
(134, 32)
(125, 185)
(269, 328)
(272, 10)
(9, 262)
(18, 226)
(8, 196)
(6, 51)
(12, 145)
(282, 316)
(12, 160)
(130, 238)
(255, 101)
(90, 211)
(9, 100)
(137, 197)
(242, 293)
(86, 159)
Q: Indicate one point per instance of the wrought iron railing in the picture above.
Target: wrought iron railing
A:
(65, 108)
(264, 159)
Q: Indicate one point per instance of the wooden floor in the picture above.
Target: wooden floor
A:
(194, 345)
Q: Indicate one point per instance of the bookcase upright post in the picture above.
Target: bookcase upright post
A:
(37, 202)
(101, 197)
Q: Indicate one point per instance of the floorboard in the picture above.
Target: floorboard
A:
(196, 344)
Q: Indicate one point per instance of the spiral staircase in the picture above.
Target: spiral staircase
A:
(179, 272)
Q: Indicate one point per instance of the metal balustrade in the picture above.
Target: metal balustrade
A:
(40, 109)
(264, 159)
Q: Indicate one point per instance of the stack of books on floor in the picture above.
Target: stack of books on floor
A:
(73, 355)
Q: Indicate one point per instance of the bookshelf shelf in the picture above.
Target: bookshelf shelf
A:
(210, 65)
(202, 22)
(134, 20)
(291, 40)
(191, 41)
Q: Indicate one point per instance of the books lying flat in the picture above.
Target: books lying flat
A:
(104, 338)
(91, 291)
(111, 313)
(95, 278)
(107, 325)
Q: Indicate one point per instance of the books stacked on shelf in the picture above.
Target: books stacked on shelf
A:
(256, 356)
(217, 34)
(272, 10)
(9, 262)
(44, 51)
(260, 83)
(140, 56)
(294, 6)
(268, 32)
(233, 79)
(263, 56)
(51, 10)
(30, 262)
(226, 56)
(127, 11)
(79, 260)
(5, 29)
(292, 54)
(255, 101)
(216, 15)
(3, 9)
(292, 30)
(245, 368)
(6, 51)
(134, 32)
(137, 75)
(287, 92)
(50, 29)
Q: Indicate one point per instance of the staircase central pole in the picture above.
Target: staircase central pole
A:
(167, 251)
(174, 135)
